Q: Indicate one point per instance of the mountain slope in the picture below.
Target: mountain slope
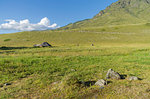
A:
(120, 12)
(99, 36)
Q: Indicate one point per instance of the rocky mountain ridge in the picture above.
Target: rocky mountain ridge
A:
(120, 12)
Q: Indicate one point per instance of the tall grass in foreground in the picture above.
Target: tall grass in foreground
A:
(54, 72)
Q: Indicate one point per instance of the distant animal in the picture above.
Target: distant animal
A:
(44, 44)
(92, 44)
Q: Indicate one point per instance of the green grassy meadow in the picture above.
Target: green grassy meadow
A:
(54, 73)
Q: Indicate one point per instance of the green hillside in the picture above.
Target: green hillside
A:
(120, 12)
(99, 36)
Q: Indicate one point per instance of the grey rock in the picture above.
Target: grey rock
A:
(7, 84)
(112, 75)
(37, 45)
(73, 70)
(46, 44)
(101, 83)
(133, 78)
(101, 88)
(55, 83)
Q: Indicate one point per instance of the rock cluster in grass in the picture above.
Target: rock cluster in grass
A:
(111, 74)
(44, 44)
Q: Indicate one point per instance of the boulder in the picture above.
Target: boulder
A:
(133, 78)
(101, 83)
(73, 70)
(46, 44)
(112, 75)
(7, 84)
(37, 45)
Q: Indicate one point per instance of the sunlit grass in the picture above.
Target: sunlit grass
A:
(54, 72)
(36, 69)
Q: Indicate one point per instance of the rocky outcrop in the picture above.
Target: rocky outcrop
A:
(44, 44)
(101, 83)
(112, 75)
(100, 13)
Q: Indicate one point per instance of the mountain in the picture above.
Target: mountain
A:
(118, 13)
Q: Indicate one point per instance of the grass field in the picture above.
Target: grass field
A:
(54, 73)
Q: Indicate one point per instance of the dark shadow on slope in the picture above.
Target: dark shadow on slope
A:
(11, 48)
(123, 76)
(108, 82)
(87, 83)
(140, 78)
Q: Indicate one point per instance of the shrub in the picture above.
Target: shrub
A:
(7, 40)
(147, 24)
(103, 30)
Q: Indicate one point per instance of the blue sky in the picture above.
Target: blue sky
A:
(61, 12)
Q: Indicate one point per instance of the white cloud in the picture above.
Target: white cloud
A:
(25, 25)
